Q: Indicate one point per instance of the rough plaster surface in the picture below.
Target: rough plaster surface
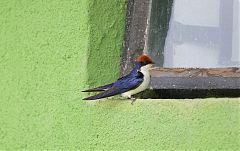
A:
(43, 58)
(106, 20)
(47, 53)
(200, 124)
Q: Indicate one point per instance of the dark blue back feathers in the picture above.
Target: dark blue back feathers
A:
(123, 84)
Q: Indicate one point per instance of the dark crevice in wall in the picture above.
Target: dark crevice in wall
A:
(135, 27)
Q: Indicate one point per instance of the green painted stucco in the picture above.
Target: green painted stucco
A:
(106, 19)
(200, 124)
(52, 49)
(43, 51)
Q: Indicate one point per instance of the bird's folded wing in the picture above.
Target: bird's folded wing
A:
(110, 92)
(101, 88)
(119, 87)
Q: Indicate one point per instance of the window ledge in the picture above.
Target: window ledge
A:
(195, 78)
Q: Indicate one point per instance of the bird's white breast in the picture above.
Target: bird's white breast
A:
(143, 86)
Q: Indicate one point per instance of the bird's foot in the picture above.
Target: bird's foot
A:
(133, 100)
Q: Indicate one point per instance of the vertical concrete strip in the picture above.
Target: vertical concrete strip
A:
(106, 22)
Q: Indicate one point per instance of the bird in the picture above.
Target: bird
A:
(134, 82)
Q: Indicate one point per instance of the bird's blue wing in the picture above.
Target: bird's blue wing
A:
(123, 84)
(101, 88)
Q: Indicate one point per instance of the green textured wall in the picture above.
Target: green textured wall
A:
(106, 19)
(43, 51)
(52, 49)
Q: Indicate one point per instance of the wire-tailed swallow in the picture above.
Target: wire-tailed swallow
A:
(136, 81)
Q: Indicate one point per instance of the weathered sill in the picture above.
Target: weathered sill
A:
(179, 83)
(195, 78)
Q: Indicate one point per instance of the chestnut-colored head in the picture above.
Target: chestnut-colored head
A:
(144, 60)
